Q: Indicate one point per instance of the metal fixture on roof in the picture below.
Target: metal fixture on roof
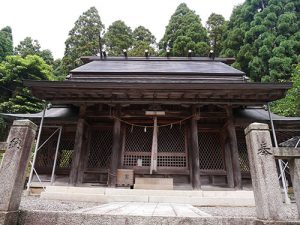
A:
(168, 52)
(125, 53)
(104, 54)
(190, 53)
(68, 76)
(146, 53)
(212, 54)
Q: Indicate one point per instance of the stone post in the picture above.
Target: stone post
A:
(294, 165)
(268, 199)
(12, 170)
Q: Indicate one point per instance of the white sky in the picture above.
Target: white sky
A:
(49, 21)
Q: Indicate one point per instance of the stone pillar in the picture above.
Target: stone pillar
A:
(12, 170)
(294, 165)
(268, 199)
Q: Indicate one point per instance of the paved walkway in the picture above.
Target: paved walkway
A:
(145, 209)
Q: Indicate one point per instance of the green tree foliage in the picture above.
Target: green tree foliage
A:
(119, 36)
(83, 39)
(143, 40)
(15, 98)
(264, 37)
(184, 28)
(6, 43)
(32, 47)
(143, 34)
(216, 27)
(290, 105)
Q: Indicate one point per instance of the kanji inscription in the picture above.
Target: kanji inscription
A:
(15, 143)
(264, 149)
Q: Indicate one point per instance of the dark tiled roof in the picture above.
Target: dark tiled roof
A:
(158, 67)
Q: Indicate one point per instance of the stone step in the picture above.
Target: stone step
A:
(153, 183)
(53, 218)
(105, 195)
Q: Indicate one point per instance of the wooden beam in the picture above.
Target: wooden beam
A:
(234, 149)
(78, 145)
(84, 156)
(228, 160)
(115, 155)
(153, 167)
(195, 152)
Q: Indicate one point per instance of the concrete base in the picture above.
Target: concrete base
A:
(8, 218)
(106, 195)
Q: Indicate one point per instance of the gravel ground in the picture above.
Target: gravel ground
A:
(35, 203)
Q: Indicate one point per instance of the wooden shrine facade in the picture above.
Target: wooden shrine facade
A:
(160, 117)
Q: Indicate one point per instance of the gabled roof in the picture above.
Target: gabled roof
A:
(159, 67)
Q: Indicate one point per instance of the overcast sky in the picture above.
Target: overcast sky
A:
(49, 21)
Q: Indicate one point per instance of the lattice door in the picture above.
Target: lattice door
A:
(137, 147)
(210, 151)
(172, 151)
(100, 149)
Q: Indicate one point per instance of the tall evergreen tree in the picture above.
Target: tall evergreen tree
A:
(6, 42)
(83, 39)
(264, 37)
(216, 27)
(184, 29)
(143, 40)
(32, 47)
(118, 37)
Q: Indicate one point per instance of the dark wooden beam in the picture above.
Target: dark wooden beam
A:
(116, 153)
(78, 146)
(228, 160)
(195, 152)
(234, 149)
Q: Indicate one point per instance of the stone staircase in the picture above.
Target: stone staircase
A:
(107, 195)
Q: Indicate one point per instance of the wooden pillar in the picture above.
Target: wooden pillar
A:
(237, 176)
(78, 147)
(153, 167)
(228, 160)
(195, 153)
(115, 156)
(84, 156)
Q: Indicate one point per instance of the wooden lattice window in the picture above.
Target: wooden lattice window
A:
(100, 148)
(243, 154)
(171, 147)
(46, 153)
(171, 139)
(45, 156)
(283, 135)
(137, 146)
(210, 151)
(66, 149)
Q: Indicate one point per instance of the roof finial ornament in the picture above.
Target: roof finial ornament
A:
(146, 53)
(212, 54)
(190, 53)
